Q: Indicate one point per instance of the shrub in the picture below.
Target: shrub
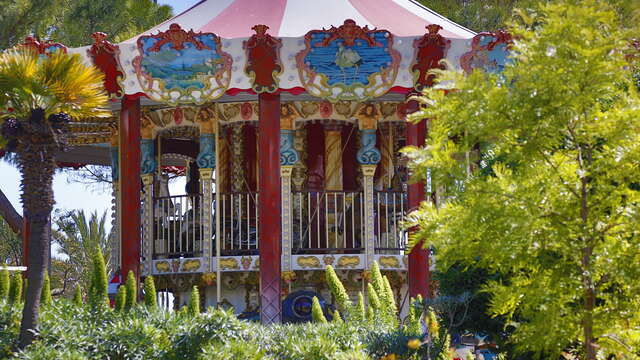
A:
(15, 289)
(150, 299)
(121, 298)
(5, 283)
(337, 289)
(233, 350)
(194, 302)
(45, 294)
(77, 296)
(131, 287)
(316, 311)
(98, 291)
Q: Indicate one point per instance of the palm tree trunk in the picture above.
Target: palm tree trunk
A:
(37, 163)
(10, 215)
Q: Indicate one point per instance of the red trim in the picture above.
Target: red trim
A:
(130, 185)
(106, 57)
(269, 210)
(430, 50)
(418, 274)
(293, 91)
(263, 60)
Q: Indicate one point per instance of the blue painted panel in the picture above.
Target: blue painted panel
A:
(348, 65)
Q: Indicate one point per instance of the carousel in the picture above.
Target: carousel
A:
(284, 120)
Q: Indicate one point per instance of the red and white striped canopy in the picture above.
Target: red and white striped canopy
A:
(294, 18)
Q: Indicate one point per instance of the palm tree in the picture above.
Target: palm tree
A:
(39, 96)
(79, 237)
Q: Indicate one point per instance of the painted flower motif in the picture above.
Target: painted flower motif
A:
(246, 262)
(326, 109)
(246, 111)
(414, 344)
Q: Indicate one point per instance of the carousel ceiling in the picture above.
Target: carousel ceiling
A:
(335, 50)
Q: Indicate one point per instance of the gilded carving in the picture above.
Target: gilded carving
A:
(191, 265)
(389, 262)
(348, 261)
(288, 116)
(309, 108)
(229, 264)
(308, 262)
(163, 266)
(367, 115)
(343, 108)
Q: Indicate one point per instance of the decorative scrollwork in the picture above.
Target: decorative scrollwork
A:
(207, 157)
(430, 50)
(288, 154)
(148, 160)
(263, 60)
(368, 154)
(106, 57)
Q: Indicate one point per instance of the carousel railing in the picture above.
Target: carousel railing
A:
(178, 226)
(390, 208)
(327, 222)
(239, 226)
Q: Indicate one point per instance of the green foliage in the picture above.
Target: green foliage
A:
(415, 312)
(45, 295)
(98, 292)
(233, 350)
(10, 242)
(336, 317)
(15, 289)
(194, 302)
(534, 165)
(121, 298)
(376, 280)
(131, 287)
(77, 295)
(78, 236)
(337, 289)
(5, 283)
(317, 315)
(150, 299)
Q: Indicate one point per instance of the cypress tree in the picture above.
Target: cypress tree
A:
(121, 298)
(5, 283)
(361, 313)
(376, 279)
(194, 302)
(374, 300)
(15, 290)
(45, 294)
(316, 311)
(336, 317)
(77, 296)
(150, 299)
(98, 294)
(132, 291)
(337, 289)
(389, 296)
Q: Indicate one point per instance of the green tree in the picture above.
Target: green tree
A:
(78, 236)
(131, 287)
(10, 245)
(45, 93)
(337, 289)
(538, 168)
(150, 299)
(23, 17)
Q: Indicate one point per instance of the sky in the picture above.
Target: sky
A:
(68, 195)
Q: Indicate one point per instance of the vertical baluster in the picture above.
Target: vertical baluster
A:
(353, 223)
(248, 216)
(362, 220)
(396, 238)
(326, 220)
(387, 221)
(309, 223)
(233, 221)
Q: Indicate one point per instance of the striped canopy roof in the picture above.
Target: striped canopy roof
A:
(294, 18)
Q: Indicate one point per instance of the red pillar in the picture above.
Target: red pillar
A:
(269, 207)
(418, 274)
(129, 132)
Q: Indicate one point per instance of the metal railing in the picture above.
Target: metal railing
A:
(239, 225)
(390, 208)
(327, 222)
(177, 226)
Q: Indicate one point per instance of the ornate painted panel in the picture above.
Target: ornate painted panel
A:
(489, 51)
(44, 47)
(177, 66)
(430, 50)
(263, 60)
(348, 62)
